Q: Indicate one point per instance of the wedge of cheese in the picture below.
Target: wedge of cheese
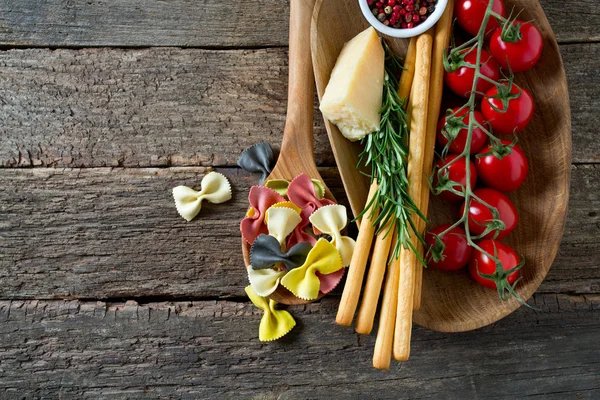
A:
(352, 98)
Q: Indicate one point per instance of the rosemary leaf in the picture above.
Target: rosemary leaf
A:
(385, 151)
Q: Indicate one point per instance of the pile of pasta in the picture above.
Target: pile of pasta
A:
(296, 240)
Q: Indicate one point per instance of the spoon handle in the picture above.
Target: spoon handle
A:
(297, 142)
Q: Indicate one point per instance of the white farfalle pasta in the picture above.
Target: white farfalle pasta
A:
(264, 281)
(215, 188)
(281, 221)
(331, 220)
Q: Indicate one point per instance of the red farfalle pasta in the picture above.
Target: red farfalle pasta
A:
(330, 281)
(301, 192)
(260, 199)
(299, 235)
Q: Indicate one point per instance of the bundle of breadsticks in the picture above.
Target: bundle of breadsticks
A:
(421, 84)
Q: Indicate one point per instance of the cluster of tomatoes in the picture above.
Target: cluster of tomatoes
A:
(499, 165)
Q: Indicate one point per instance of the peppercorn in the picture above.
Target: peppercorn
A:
(401, 14)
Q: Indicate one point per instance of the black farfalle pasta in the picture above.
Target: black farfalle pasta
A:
(266, 252)
(259, 159)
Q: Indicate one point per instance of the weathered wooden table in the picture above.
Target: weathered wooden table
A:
(107, 293)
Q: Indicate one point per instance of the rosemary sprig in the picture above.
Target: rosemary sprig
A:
(386, 153)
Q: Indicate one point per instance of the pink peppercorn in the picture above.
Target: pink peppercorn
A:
(404, 14)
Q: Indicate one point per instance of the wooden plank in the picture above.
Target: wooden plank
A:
(210, 350)
(106, 233)
(140, 23)
(584, 96)
(79, 23)
(173, 107)
(149, 107)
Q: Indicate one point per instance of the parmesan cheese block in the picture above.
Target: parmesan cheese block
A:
(352, 98)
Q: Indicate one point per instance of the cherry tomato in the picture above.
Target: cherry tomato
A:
(460, 79)
(481, 263)
(516, 116)
(453, 128)
(469, 14)
(520, 46)
(456, 253)
(480, 214)
(456, 172)
(504, 168)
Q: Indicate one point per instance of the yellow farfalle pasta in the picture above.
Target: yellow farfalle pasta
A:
(287, 204)
(331, 220)
(274, 324)
(303, 281)
(215, 188)
(281, 221)
(264, 281)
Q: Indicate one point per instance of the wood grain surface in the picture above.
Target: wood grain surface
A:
(173, 107)
(208, 350)
(104, 236)
(209, 23)
(105, 233)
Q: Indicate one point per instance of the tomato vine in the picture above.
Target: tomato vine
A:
(453, 58)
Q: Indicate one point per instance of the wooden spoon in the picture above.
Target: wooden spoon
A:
(296, 155)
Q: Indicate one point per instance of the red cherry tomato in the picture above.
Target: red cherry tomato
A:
(453, 128)
(513, 118)
(480, 214)
(504, 168)
(520, 46)
(481, 263)
(469, 14)
(460, 78)
(456, 253)
(456, 172)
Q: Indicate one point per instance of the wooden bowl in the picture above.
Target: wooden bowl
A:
(453, 302)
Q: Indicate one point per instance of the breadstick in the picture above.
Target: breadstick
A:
(368, 306)
(366, 312)
(418, 126)
(408, 73)
(441, 40)
(387, 317)
(356, 271)
(358, 264)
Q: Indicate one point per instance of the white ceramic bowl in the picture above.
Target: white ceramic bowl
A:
(403, 32)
